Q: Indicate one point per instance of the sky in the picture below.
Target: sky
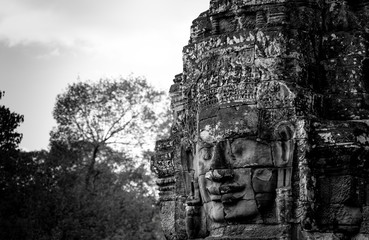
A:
(47, 44)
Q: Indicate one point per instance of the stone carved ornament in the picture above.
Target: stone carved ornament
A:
(270, 138)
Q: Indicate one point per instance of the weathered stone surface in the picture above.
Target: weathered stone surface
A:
(174, 226)
(251, 231)
(270, 136)
(323, 236)
(264, 180)
(365, 224)
(337, 214)
(361, 237)
(337, 189)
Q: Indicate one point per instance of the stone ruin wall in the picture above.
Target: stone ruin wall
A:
(302, 61)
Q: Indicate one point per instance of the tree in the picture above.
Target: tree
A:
(9, 140)
(103, 192)
(11, 180)
(120, 114)
(9, 121)
(87, 185)
(109, 111)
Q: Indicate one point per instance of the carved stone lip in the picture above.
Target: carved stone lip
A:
(226, 192)
(229, 198)
(231, 188)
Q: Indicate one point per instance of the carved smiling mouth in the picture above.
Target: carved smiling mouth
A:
(226, 193)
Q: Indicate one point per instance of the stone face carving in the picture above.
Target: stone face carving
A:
(270, 138)
(237, 171)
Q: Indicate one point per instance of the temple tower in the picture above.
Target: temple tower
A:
(270, 137)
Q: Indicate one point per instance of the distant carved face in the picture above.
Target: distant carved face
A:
(237, 173)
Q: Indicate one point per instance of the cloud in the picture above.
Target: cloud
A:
(89, 23)
(54, 53)
(74, 24)
(117, 36)
(46, 44)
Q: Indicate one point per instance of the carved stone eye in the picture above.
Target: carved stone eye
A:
(238, 147)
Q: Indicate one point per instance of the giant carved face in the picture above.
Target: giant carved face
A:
(238, 164)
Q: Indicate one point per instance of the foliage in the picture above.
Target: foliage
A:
(9, 140)
(11, 182)
(107, 209)
(99, 123)
(9, 121)
(108, 112)
(121, 114)
(87, 185)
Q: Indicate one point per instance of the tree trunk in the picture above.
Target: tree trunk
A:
(91, 166)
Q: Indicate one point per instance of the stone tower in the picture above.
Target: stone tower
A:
(270, 138)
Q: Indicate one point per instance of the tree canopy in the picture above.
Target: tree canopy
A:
(88, 184)
(108, 112)
(106, 116)
(9, 121)
(99, 127)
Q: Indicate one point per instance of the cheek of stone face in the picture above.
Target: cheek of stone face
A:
(264, 182)
(243, 178)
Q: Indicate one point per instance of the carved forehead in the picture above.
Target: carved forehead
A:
(229, 121)
(256, 112)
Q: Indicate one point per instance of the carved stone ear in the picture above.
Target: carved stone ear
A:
(283, 145)
(284, 131)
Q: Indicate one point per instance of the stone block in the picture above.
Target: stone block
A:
(361, 237)
(167, 214)
(252, 232)
(323, 236)
(340, 217)
(173, 217)
(365, 224)
(244, 209)
(264, 180)
(337, 189)
(349, 216)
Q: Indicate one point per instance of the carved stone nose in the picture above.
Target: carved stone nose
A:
(220, 175)
(219, 160)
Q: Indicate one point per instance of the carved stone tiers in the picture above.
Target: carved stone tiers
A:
(270, 137)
